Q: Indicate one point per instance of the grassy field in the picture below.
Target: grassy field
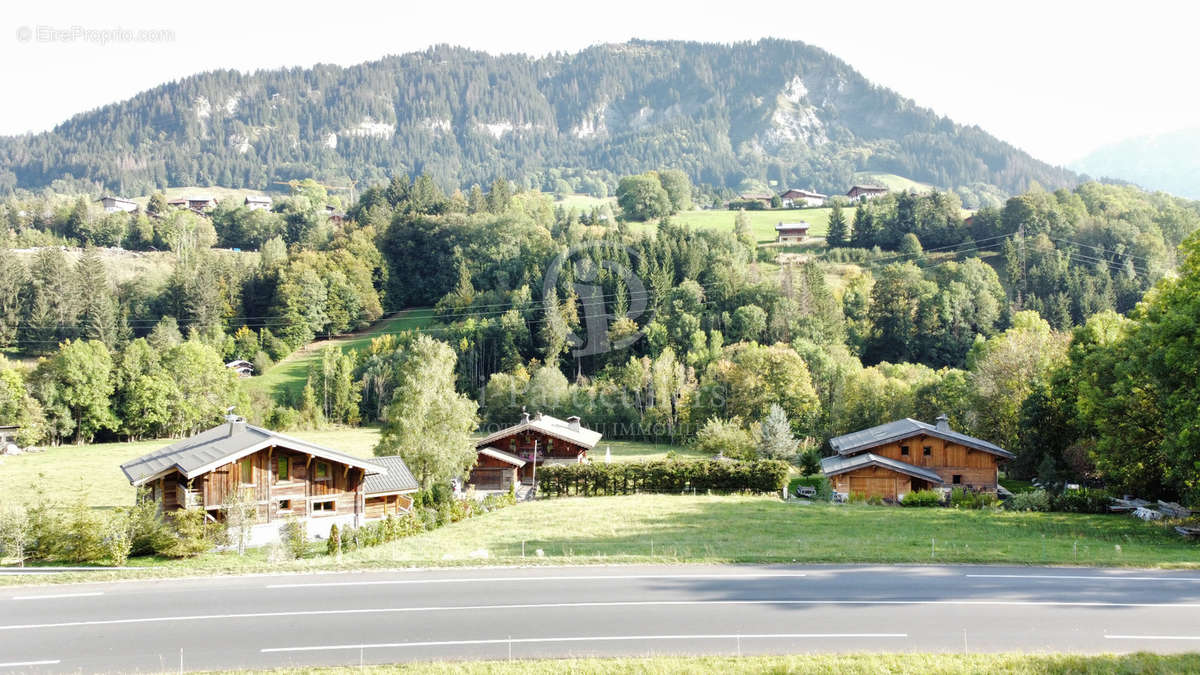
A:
(849, 664)
(762, 223)
(287, 377)
(94, 472)
(891, 181)
(721, 529)
(637, 451)
(672, 528)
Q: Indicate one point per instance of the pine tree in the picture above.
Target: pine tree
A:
(98, 308)
(775, 440)
(837, 234)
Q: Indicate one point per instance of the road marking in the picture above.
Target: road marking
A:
(596, 577)
(1152, 637)
(18, 664)
(1087, 578)
(584, 605)
(594, 638)
(60, 595)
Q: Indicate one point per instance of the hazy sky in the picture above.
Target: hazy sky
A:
(1055, 78)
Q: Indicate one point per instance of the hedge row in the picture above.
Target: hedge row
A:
(623, 478)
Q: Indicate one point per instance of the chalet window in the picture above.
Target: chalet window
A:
(957, 480)
(327, 506)
(904, 451)
(282, 469)
(512, 444)
(322, 471)
(247, 471)
(928, 450)
(285, 505)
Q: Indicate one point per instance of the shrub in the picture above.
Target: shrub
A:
(117, 541)
(334, 545)
(294, 537)
(968, 499)
(83, 533)
(922, 498)
(725, 437)
(15, 534)
(1038, 500)
(148, 533)
(1083, 500)
(193, 534)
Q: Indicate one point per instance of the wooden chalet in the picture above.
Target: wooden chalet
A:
(864, 192)
(257, 203)
(791, 232)
(511, 454)
(795, 198)
(287, 476)
(896, 458)
(117, 204)
(241, 366)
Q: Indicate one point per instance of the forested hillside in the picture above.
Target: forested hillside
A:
(769, 111)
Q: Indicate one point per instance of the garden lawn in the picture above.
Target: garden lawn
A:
(729, 529)
(849, 664)
(641, 451)
(286, 379)
(93, 472)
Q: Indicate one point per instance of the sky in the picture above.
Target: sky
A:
(1057, 78)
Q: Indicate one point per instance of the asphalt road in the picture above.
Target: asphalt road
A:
(338, 619)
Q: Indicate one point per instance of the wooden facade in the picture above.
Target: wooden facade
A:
(284, 483)
(890, 460)
(549, 449)
(382, 506)
(490, 473)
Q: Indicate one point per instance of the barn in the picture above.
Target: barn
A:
(890, 460)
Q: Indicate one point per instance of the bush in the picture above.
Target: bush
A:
(968, 499)
(922, 498)
(294, 537)
(148, 533)
(1083, 500)
(725, 437)
(1038, 500)
(623, 478)
(193, 534)
(83, 533)
(334, 545)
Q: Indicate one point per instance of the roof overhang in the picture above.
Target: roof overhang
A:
(502, 456)
(367, 466)
(870, 459)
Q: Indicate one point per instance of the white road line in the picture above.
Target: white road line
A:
(60, 595)
(595, 638)
(1152, 637)
(18, 664)
(584, 605)
(1087, 578)
(595, 577)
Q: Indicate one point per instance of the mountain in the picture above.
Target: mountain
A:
(1168, 162)
(771, 110)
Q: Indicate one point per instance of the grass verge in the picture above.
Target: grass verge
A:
(852, 664)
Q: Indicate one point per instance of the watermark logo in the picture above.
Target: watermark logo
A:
(587, 261)
(43, 34)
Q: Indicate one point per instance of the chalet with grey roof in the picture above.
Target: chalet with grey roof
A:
(513, 453)
(893, 459)
(287, 477)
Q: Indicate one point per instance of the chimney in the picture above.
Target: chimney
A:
(943, 422)
(573, 422)
(524, 416)
(537, 415)
(236, 424)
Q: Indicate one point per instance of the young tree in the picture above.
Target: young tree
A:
(15, 533)
(726, 438)
(775, 440)
(428, 423)
(240, 507)
(837, 234)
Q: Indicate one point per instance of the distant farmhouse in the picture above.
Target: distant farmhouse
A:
(288, 477)
(242, 367)
(865, 192)
(258, 203)
(793, 198)
(893, 459)
(791, 232)
(510, 455)
(117, 204)
(763, 197)
(199, 204)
